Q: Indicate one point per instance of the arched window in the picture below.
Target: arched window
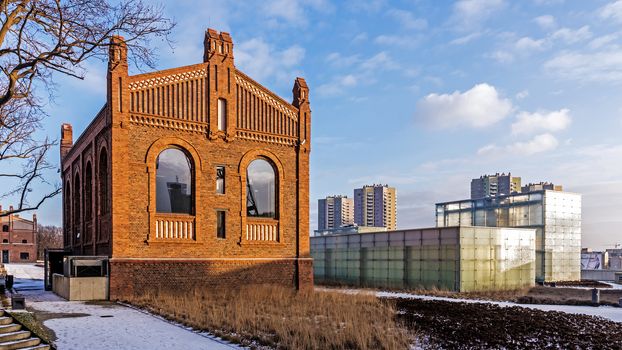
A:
(103, 182)
(67, 211)
(5, 228)
(88, 198)
(5, 241)
(174, 171)
(76, 208)
(261, 193)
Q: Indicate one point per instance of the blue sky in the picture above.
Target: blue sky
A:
(423, 95)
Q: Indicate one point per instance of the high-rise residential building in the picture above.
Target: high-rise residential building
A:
(375, 205)
(540, 186)
(335, 212)
(495, 185)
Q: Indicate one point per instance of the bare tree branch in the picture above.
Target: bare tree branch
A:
(42, 38)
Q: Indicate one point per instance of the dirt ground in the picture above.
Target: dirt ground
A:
(568, 296)
(456, 325)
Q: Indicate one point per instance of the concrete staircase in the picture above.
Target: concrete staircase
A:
(13, 337)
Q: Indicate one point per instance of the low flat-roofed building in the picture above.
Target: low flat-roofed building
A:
(348, 230)
(453, 258)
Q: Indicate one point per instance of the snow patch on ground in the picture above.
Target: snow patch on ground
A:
(108, 325)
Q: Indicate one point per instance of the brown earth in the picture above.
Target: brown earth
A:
(456, 325)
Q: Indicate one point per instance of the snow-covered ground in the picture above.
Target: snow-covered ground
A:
(98, 326)
(608, 312)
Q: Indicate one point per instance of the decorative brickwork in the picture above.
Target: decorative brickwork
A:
(218, 117)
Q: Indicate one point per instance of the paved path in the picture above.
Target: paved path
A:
(80, 325)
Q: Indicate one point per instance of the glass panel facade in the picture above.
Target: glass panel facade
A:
(555, 215)
(464, 258)
(174, 182)
(261, 189)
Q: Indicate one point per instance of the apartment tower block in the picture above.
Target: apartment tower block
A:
(375, 206)
(335, 212)
(495, 185)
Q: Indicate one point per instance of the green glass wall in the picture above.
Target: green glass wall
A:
(453, 258)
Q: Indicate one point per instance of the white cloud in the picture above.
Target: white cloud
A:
(501, 56)
(371, 6)
(601, 41)
(526, 44)
(338, 60)
(478, 107)
(470, 13)
(360, 37)
(284, 9)
(604, 66)
(612, 11)
(362, 73)
(541, 121)
(407, 19)
(379, 60)
(570, 36)
(549, 2)
(397, 40)
(538, 144)
(337, 85)
(522, 94)
(262, 61)
(465, 39)
(546, 22)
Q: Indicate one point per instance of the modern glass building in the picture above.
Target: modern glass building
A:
(452, 258)
(555, 215)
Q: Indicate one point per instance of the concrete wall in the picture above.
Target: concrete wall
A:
(452, 258)
(599, 275)
(81, 288)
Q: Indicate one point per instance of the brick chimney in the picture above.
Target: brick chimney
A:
(66, 140)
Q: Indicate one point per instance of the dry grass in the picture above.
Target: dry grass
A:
(284, 319)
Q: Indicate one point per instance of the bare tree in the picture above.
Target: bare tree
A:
(41, 38)
(48, 237)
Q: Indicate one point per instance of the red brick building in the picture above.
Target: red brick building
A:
(19, 238)
(191, 176)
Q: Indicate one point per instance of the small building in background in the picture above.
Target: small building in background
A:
(375, 205)
(335, 212)
(344, 230)
(555, 215)
(541, 186)
(591, 260)
(495, 185)
(19, 238)
(615, 259)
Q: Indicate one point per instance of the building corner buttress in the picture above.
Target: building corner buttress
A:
(118, 107)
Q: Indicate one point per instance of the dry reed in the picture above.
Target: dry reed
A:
(284, 319)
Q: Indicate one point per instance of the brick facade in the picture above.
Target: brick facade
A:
(148, 113)
(19, 239)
